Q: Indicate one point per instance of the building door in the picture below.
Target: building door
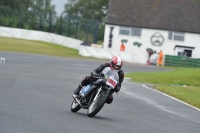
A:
(187, 53)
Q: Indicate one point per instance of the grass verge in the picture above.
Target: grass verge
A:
(189, 94)
(35, 47)
(38, 47)
(182, 83)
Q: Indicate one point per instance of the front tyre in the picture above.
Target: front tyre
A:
(96, 105)
(75, 106)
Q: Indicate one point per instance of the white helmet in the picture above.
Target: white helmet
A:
(116, 63)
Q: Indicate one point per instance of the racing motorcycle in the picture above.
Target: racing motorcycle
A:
(93, 96)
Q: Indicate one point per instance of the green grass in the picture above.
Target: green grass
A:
(178, 76)
(171, 82)
(189, 94)
(38, 47)
(35, 47)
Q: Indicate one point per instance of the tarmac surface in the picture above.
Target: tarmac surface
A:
(36, 94)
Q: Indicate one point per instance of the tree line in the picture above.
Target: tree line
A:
(41, 15)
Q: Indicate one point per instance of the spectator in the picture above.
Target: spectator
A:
(122, 47)
(160, 58)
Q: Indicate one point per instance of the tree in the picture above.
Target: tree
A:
(90, 9)
(90, 14)
(43, 12)
(25, 13)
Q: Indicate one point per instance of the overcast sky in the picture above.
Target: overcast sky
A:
(59, 5)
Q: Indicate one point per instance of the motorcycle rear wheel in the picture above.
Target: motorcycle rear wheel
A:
(96, 106)
(75, 106)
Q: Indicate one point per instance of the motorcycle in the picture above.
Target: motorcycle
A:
(93, 96)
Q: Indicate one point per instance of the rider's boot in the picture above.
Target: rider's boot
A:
(76, 92)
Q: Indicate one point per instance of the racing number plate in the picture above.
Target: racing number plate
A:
(112, 82)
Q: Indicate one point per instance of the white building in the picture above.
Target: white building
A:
(172, 26)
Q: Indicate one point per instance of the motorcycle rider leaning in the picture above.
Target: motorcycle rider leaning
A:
(115, 64)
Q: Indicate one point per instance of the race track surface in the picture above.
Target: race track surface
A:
(36, 94)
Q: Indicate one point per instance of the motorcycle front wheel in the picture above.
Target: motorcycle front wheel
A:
(75, 106)
(96, 105)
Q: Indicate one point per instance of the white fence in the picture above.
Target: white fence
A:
(40, 36)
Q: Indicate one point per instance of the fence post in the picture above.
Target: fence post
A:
(77, 21)
(87, 28)
(60, 26)
(43, 25)
(20, 22)
(40, 22)
(95, 32)
(50, 22)
(69, 21)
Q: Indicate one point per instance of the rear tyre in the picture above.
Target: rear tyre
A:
(75, 106)
(96, 105)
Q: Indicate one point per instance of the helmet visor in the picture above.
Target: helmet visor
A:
(116, 67)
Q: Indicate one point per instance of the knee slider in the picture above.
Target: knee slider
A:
(109, 99)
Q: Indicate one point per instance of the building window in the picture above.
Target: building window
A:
(124, 31)
(130, 31)
(136, 32)
(176, 36)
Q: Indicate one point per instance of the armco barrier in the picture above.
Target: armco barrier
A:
(180, 61)
(40, 36)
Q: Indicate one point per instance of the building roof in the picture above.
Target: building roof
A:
(175, 15)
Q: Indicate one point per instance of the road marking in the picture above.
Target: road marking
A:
(2, 60)
(171, 97)
(149, 101)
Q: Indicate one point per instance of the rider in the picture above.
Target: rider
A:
(115, 64)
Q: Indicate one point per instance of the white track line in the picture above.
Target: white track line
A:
(171, 97)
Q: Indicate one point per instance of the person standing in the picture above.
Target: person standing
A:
(160, 58)
(122, 47)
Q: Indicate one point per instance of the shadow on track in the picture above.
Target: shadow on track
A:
(97, 117)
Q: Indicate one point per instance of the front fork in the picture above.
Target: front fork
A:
(99, 90)
(107, 91)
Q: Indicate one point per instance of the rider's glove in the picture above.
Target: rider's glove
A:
(93, 73)
(117, 88)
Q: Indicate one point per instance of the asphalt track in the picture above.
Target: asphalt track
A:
(35, 97)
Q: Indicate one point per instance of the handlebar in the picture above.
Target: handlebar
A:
(94, 74)
(99, 76)
(101, 82)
